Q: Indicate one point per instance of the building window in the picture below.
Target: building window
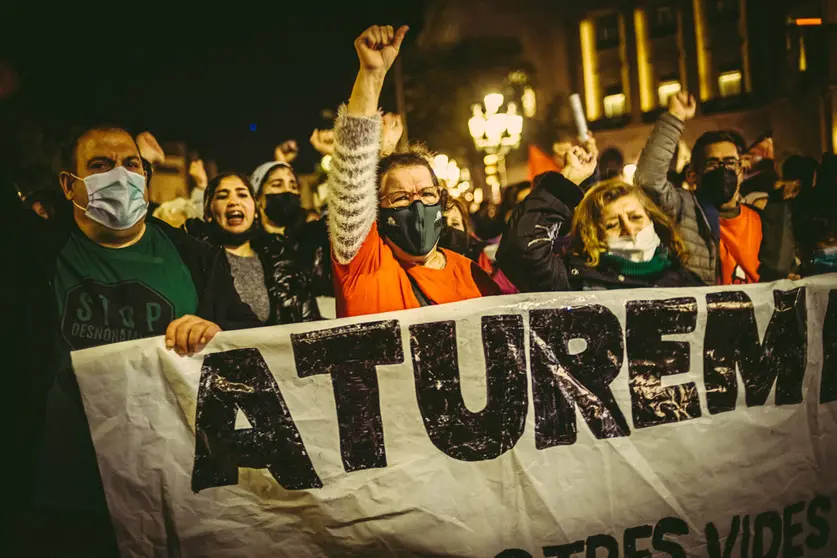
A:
(729, 84)
(666, 89)
(720, 11)
(614, 105)
(607, 32)
(663, 21)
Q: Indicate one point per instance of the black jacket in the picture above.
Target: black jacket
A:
(290, 287)
(40, 372)
(532, 251)
(536, 235)
(310, 242)
(40, 242)
(218, 301)
(581, 277)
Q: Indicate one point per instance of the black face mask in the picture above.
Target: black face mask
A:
(717, 187)
(283, 209)
(222, 237)
(455, 240)
(415, 229)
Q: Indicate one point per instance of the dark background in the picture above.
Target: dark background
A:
(195, 73)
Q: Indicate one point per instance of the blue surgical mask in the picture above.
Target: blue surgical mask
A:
(115, 199)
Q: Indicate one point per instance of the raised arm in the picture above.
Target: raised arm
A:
(198, 173)
(652, 169)
(527, 253)
(352, 181)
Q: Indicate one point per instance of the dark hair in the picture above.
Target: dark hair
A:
(213, 186)
(51, 199)
(711, 138)
(401, 160)
(797, 167)
(149, 171)
(69, 151)
(508, 200)
(611, 162)
(457, 203)
(827, 175)
(738, 140)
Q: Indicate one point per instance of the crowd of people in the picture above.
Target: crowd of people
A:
(95, 267)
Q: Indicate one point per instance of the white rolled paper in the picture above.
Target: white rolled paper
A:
(578, 116)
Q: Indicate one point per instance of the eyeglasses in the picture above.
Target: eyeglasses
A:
(402, 198)
(730, 163)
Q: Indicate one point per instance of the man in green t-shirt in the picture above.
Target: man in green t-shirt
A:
(116, 275)
(119, 276)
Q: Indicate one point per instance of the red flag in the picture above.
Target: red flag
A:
(540, 162)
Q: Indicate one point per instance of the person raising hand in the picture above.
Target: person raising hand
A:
(385, 225)
(530, 249)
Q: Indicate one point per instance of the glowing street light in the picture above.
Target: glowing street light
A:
(496, 134)
(453, 178)
(493, 102)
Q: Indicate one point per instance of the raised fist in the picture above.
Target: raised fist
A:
(323, 141)
(393, 128)
(286, 152)
(149, 149)
(378, 47)
(682, 105)
(198, 173)
(579, 164)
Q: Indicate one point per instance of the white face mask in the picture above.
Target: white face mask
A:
(636, 249)
(115, 199)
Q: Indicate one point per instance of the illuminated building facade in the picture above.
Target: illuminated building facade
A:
(752, 65)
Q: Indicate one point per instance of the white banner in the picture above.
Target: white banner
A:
(672, 422)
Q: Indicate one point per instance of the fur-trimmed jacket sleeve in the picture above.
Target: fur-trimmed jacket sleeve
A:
(352, 183)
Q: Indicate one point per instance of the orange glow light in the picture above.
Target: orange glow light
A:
(806, 21)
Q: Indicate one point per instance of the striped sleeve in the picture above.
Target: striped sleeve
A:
(352, 183)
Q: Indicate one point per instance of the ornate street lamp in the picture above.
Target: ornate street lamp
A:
(495, 133)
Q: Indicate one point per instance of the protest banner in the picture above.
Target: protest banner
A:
(670, 422)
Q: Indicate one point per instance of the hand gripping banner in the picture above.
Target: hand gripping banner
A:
(671, 422)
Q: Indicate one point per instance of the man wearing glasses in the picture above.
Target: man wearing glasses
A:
(728, 243)
(385, 226)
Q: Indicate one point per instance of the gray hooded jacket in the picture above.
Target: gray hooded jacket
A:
(678, 203)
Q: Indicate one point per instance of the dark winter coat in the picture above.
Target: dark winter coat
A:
(290, 287)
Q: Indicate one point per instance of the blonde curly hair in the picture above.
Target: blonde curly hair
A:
(588, 235)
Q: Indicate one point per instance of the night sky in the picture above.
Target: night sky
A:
(199, 74)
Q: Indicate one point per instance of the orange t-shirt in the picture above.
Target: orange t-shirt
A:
(739, 250)
(374, 281)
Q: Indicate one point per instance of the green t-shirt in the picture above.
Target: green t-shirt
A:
(107, 295)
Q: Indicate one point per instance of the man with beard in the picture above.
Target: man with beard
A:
(727, 242)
